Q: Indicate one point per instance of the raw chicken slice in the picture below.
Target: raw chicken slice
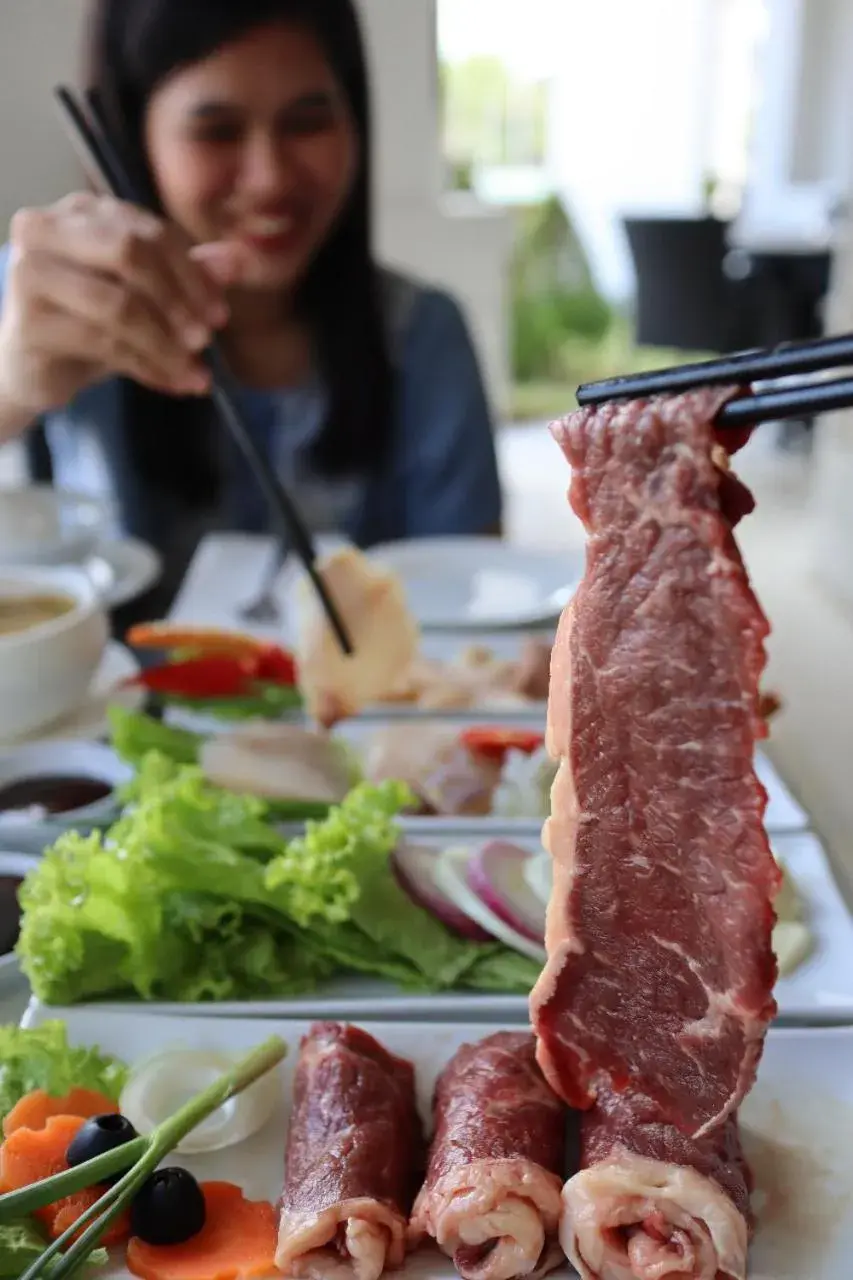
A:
(384, 635)
(278, 762)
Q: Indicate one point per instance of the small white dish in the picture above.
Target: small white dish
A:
(42, 525)
(60, 758)
(124, 569)
(89, 718)
(45, 668)
(472, 583)
(15, 865)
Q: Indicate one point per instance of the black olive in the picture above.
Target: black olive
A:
(169, 1208)
(98, 1136)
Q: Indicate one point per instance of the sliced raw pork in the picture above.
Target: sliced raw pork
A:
(660, 967)
(491, 1199)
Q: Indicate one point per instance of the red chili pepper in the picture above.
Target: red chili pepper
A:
(276, 665)
(213, 676)
(494, 743)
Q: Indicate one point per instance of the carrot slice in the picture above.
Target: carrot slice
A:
(65, 1213)
(170, 635)
(237, 1242)
(35, 1109)
(31, 1155)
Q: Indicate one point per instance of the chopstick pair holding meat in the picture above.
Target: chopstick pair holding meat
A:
(783, 363)
(356, 1157)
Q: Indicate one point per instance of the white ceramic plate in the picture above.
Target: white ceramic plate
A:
(451, 583)
(820, 991)
(124, 569)
(795, 1127)
(459, 583)
(226, 573)
(90, 718)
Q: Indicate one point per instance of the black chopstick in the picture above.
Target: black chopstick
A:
(740, 369)
(92, 137)
(802, 400)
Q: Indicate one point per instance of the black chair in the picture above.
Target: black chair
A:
(684, 298)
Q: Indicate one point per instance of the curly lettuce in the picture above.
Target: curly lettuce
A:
(42, 1058)
(195, 894)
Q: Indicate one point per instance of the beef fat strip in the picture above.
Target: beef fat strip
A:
(660, 968)
(354, 1158)
(652, 1204)
(491, 1199)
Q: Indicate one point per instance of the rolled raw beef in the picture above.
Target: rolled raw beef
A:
(354, 1158)
(491, 1199)
(650, 1203)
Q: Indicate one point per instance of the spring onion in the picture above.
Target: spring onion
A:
(151, 1151)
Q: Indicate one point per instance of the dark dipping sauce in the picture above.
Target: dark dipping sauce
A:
(10, 913)
(52, 792)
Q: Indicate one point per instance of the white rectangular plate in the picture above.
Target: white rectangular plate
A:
(820, 991)
(783, 813)
(797, 1125)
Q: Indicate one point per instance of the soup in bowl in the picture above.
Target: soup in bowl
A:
(20, 612)
(53, 632)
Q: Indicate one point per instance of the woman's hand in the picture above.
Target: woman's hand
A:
(96, 288)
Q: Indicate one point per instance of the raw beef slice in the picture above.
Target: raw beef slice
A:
(660, 968)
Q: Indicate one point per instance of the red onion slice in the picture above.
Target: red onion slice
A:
(496, 873)
(452, 875)
(415, 866)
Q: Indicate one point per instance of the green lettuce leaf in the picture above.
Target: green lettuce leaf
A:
(267, 702)
(337, 882)
(42, 1058)
(134, 735)
(499, 970)
(21, 1243)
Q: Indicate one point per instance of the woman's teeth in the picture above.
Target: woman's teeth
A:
(270, 226)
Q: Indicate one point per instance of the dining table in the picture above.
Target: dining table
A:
(225, 574)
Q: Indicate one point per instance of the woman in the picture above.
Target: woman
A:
(248, 126)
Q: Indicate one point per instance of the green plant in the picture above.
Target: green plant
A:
(553, 297)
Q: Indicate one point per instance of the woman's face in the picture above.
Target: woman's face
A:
(256, 143)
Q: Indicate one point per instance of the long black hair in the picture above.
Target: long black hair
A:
(134, 46)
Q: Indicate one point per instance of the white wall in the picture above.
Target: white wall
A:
(461, 245)
(808, 160)
(802, 147)
(40, 42)
(630, 121)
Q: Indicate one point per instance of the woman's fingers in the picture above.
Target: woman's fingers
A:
(116, 319)
(147, 254)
